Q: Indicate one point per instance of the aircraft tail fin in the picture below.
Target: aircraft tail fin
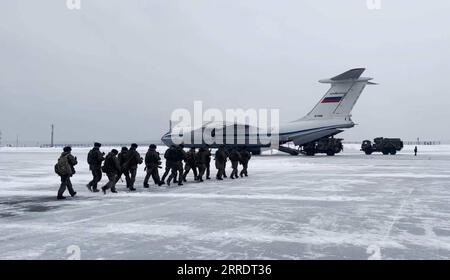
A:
(339, 100)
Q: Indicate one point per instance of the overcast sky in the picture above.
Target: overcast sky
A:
(115, 70)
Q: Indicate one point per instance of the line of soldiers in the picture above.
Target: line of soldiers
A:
(115, 165)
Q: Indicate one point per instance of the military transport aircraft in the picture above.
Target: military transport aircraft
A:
(328, 118)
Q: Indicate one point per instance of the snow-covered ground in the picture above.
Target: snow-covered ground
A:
(350, 206)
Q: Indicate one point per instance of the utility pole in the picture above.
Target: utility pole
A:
(17, 140)
(51, 141)
(0, 138)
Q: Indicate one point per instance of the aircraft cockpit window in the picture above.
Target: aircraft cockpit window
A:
(213, 132)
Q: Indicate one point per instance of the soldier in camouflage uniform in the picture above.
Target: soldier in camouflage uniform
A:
(152, 163)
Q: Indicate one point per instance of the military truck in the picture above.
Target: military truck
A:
(329, 146)
(383, 145)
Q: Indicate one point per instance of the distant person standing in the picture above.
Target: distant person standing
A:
(152, 163)
(95, 159)
(134, 159)
(65, 169)
(415, 151)
(235, 157)
(245, 158)
(112, 169)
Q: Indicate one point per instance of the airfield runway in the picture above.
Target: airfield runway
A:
(350, 206)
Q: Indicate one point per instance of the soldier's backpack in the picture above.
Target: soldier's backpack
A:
(235, 156)
(189, 158)
(107, 164)
(245, 156)
(134, 158)
(125, 166)
(220, 155)
(123, 160)
(171, 154)
(62, 167)
(166, 154)
(90, 157)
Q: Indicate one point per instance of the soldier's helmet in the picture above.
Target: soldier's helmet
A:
(96, 144)
(152, 146)
(114, 151)
(124, 149)
(67, 149)
(134, 145)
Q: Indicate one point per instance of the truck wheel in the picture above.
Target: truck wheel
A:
(310, 153)
(368, 152)
(393, 152)
(330, 153)
(385, 152)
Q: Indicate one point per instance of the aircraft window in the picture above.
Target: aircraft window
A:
(213, 132)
